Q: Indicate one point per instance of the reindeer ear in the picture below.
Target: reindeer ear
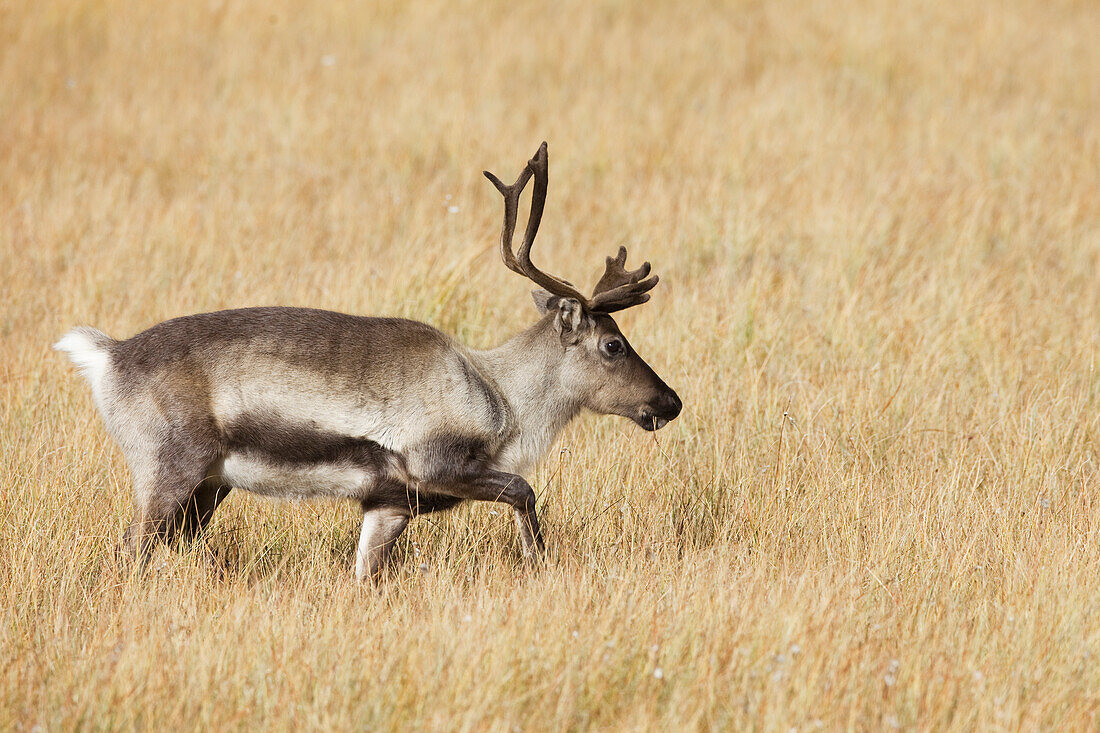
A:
(570, 320)
(543, 301)
(569, 315)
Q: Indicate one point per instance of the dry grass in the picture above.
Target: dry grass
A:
(879, 237)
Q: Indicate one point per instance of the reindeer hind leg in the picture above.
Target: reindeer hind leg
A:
(200, 507)
(174, 496)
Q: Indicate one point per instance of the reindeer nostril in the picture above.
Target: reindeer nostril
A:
(668, 405)
(676, 405)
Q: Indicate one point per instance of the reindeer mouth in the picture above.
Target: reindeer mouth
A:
(661, 412)
(650, 422)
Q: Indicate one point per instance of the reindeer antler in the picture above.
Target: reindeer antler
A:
(537, 167)
(619, 288)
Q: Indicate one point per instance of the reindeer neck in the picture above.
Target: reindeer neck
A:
(527, 369)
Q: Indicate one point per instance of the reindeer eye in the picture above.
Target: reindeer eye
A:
(614, 347)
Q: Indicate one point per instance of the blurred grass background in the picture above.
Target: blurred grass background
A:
(878, 232)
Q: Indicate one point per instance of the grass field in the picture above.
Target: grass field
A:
(878, 233)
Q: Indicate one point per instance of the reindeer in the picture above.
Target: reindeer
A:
(391, 413)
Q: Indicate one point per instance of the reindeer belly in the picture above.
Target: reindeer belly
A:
(268, 454)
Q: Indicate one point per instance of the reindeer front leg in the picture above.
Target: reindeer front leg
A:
(516, 492)
(459, 468)
(506, 488)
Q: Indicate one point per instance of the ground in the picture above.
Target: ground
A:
(878, 234)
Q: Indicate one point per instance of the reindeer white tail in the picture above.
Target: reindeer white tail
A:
(89, 350)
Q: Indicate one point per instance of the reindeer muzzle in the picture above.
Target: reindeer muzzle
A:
(660, 412)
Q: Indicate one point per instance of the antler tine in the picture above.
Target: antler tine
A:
(511, 196)
(616, 274)
(621, 288)
(624, 296)
(536, 167)
(539, 167)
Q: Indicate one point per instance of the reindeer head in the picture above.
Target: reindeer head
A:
(599, 366)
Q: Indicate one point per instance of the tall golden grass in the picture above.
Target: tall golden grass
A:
(878, 231)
